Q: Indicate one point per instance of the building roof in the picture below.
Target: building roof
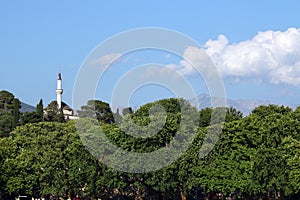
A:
(65, 106)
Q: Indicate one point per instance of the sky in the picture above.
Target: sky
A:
(255, 45)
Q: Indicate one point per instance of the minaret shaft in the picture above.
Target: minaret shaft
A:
(59, 91)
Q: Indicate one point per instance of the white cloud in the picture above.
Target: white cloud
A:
(106, 60)
(289, 74)
(270, 56)
(194, 59)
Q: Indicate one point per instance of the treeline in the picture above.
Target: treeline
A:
(10, 115)
(255, 157)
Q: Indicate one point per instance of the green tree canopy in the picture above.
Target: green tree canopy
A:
(254, 157)
(207, 119)
(97, 109)
(53, 113)
(9, 112)
(263, 110)
(6, 101)
(46, 159)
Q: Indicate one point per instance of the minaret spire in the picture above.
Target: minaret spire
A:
(59, 90)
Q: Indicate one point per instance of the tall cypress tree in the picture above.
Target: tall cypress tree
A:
(40, 109)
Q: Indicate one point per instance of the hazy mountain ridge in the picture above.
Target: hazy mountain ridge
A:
(26, 108)
(243, 105)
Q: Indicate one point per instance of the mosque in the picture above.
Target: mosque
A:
(68, 112)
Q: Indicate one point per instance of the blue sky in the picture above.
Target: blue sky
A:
(37, 38)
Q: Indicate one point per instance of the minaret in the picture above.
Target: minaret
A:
(59, 91)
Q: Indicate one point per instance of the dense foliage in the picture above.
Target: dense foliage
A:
(256, 157)
(9, 112)
(98, 109)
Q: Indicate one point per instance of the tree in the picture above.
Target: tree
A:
(171, 105)
(16, 112)
(292, 156)
(269, 163)
(228, 167)
(53, 113)
(205, 117)
(46, 159)
(9, 112)
(263, 110)
(29, 117)
(210, 116)
(40, 109)
(7, 150)
(6, 101)
(97, 109)
(233, 114)
(6, 124)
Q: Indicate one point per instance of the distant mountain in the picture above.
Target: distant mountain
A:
(26, 108)
(243, 105)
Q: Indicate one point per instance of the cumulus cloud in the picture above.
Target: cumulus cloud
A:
(270, 56)
(195, 60)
